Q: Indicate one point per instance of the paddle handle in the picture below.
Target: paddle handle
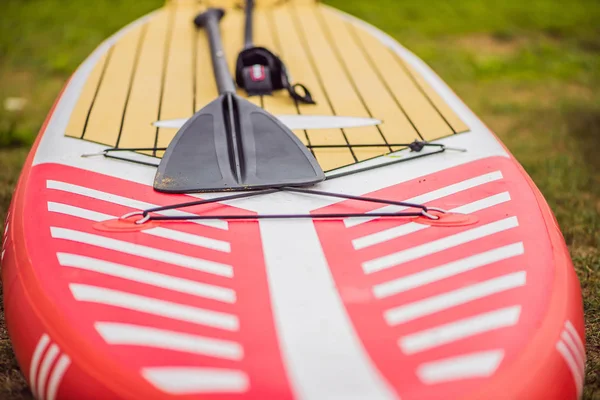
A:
(248, 38)
(209, 20)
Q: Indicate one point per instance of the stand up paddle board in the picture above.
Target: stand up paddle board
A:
(407, 255)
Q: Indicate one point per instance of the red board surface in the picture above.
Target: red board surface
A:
(417, 294)
(212, 289)
(440, 309)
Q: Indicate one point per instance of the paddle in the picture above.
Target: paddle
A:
(231, 144)
(259, 71)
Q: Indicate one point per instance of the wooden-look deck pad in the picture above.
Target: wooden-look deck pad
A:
(162, 70)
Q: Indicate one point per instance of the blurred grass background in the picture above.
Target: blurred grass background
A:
(529, 69)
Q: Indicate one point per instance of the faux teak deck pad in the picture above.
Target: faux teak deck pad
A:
(161, 70)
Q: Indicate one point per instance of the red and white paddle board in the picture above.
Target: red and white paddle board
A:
(480, 304)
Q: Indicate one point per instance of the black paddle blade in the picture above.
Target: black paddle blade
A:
(231, 144)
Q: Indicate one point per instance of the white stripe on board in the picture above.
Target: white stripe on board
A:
(136, 335)
(296, 122)
(387, 234)
(49, 358)
(35, 362)
(413, 253)
(433, 195)
(457, 330)
(579, 358)
(149, 305)
(165, 233)
(482, 204)
(444, 301)
(78, 212)
(139, 250)
(147, 277)
(453, 268)
(127, 202)
(189, 238)
(572, 364)
(7, 222)
(57, 374)
(475, 365)
(411, 227)
(190, 380)
(576, 338)
(317, 338)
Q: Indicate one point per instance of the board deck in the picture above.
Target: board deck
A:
(349, 72)
(481, 304)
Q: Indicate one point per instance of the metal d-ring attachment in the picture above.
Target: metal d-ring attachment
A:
(431, 216)
(102, 153)
(140, 221)
(441, 210)
(131, 214)
(143, 220)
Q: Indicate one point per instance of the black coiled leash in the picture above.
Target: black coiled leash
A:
(260, 72)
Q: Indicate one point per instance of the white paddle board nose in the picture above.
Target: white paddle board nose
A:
(297, 122)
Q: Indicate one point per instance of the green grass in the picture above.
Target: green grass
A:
(529, 69)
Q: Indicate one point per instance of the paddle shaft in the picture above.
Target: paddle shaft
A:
(209, 20)
(248, 38)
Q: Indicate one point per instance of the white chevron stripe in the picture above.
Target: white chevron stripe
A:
(576, 338)
(572, 364)
(387, 235)
(431, 196)
(153, 306)
(135, 335)
(57, 374)
(5, 237)
(147, 277)
(49, 358)
(411, 227)
(181, 260)
(127, 202)
(579, 358)
(317, 339)
(435, 274)
(35, 362)
(435, 246)
(475, 365)
(189, 238)
(165, 233)
(78, 212)
(461, 329)
(7, 221)
(189, 380)
(482, 204)
(444, 301)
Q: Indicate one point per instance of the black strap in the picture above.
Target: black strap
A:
(260, 72)
(416, 147)
(424, 210)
